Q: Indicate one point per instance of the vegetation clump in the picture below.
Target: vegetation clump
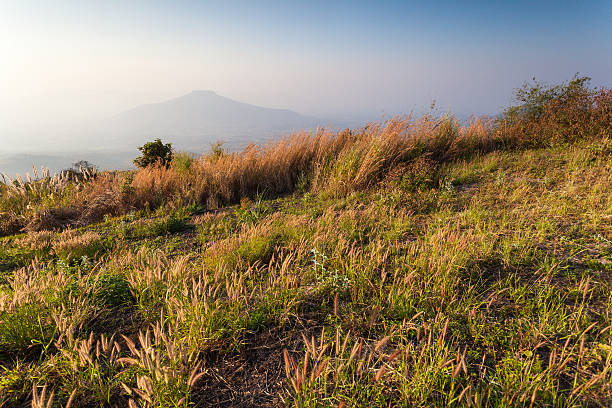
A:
(552, 114)
(155, 152)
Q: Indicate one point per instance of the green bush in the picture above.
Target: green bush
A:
(555, 114)
(535, 98)
(154, 152)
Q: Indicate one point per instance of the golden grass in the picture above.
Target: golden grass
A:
(377, 301)
(70, 245)
(412, 272)
(336, 162)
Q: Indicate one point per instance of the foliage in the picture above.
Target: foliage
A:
(153, 153)
(549, 114)
(535, 98)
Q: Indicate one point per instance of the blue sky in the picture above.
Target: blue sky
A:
(82, 59)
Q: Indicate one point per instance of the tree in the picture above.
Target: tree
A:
(154, 152)
(83, 165)
(81, 170)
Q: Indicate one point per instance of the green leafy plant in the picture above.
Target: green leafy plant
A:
(155, 152)
(328, 279)
(534, 97)
(549, 114)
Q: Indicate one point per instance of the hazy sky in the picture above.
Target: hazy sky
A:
(65, 61)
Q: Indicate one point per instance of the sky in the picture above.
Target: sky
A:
(63, 63)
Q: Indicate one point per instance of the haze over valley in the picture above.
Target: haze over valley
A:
(191, 122)
(92, 82)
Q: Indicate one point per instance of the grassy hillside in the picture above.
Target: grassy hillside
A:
(410, 263)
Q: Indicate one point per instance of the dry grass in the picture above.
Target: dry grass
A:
(421, 264)
(70, 245)
(336, 162)
(37, 240)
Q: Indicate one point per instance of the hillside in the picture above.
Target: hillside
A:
(415, 262)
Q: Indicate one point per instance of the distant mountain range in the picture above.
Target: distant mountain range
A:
(195, 120)
(191, 123)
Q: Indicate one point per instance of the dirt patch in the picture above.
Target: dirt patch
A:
(253, 377)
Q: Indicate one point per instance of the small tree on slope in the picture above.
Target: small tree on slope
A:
(153, 153)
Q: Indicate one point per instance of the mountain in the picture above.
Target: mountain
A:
(195, 120)
(191, 123)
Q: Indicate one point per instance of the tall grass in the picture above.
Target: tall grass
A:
(338, 162)
(487, 287)
(323, 160)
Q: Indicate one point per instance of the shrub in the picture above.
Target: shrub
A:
(154, 152)
(552, 114)
(535, 98)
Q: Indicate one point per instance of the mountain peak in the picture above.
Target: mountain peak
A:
(204, 92)
(201, 117)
